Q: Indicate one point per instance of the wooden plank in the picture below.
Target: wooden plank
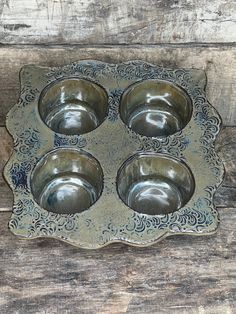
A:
(226, 147)
(219, 64)
(181, 274)
(117, 22)
(6, 196)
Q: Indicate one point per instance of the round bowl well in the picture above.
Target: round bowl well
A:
(67, 181)
(154, 183)
(155, 108)
(73, 106)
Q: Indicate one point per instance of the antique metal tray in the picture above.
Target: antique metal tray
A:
(113, 153)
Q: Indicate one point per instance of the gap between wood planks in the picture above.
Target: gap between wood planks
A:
(121, 45)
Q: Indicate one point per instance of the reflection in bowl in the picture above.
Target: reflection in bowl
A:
(154, 183)
(67, 181)
(73, 106)
(155, 108)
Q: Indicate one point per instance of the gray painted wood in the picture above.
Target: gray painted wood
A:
(218, 62)
(117, 22)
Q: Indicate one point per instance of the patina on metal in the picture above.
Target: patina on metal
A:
(113, 153)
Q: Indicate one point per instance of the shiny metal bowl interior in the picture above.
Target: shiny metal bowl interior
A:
(67, 181)
(155, 108)
(154, 183)
(73, 106)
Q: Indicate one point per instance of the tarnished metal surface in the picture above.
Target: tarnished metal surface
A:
(113, 152)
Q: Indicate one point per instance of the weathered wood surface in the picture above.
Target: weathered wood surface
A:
(219, 64)
(182, 274)
(6, 196)
(117, 22)
(226, 146)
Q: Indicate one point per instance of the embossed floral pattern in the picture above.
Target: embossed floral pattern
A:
(60, 140)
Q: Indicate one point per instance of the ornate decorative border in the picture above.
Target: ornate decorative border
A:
(32, 139)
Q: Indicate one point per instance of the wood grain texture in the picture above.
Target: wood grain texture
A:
(181, 274)
(219, 64)
(6, 196)
(117, 22)
(226, 146)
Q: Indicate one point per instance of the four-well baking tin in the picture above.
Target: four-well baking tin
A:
(113, 153)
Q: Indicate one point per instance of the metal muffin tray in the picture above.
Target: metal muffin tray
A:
(113, 153)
